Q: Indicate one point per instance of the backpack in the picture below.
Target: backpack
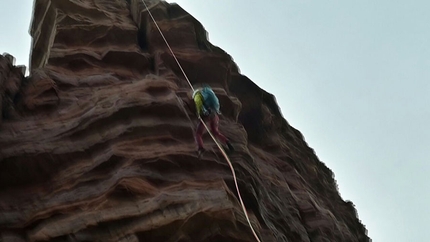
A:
(210, 100)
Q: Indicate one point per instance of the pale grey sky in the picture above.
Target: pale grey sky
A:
(352, 76)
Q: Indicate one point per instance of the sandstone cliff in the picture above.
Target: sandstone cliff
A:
(97, 143)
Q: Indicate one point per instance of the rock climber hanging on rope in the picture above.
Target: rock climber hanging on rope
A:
(207, 105)
(200, 100)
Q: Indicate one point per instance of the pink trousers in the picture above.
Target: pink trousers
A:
(213, 121)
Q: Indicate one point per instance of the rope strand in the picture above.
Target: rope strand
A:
(174, 56)
(201, 120)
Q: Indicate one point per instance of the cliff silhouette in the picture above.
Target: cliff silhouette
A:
(97, 143)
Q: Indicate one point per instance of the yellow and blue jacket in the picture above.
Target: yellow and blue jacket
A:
(205, 100)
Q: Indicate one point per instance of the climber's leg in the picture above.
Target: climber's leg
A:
(214, 121)
(199, 133)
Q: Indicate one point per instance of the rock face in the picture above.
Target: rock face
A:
(11, 78)
(97, 143)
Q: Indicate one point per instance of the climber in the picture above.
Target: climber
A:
(207, 105)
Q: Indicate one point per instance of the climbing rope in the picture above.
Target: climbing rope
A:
(201, 120)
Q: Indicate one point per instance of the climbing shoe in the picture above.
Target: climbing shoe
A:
(200, 152)
(230, 147)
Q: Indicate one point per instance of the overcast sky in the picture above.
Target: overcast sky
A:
(352, 76)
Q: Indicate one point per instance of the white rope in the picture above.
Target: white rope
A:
(162, 35)
(201, 120)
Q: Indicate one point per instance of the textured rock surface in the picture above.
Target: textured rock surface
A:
(11, 78)
(100, 144)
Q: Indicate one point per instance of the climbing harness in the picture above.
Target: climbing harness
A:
(201, 120)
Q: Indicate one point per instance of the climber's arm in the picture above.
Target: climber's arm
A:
(198, 99)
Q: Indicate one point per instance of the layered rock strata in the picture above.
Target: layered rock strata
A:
(100, 147)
